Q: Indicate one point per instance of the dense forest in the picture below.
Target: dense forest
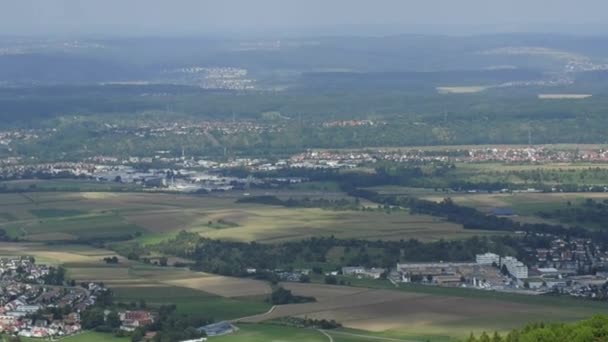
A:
(594, 329)
(233, 258)
(403, 119)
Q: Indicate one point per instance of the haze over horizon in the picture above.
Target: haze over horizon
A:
(291, 17)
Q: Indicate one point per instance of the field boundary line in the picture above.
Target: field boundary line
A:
(368, 336)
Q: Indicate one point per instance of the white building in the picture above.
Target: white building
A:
(374, 273)
(487, 259)
(353, 270)
(28, 308)
(515, 267)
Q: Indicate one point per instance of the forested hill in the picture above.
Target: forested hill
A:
(429, 80)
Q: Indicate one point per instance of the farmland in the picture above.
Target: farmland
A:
(525, 206)
(62, 216)
(410, 312)
(50, 225)
(192, 292)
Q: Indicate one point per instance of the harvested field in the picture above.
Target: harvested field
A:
(224, 286)
(399, 312)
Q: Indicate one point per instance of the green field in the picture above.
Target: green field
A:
(154, 217)
(266, 333)
(192, 302)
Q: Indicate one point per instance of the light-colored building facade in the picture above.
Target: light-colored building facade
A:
(515, 267)
(487, 259)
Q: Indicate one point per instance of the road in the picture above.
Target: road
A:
(244, 319)
(331, 339)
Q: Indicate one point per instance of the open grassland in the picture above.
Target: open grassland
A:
(272, 333)
(412, 312)
(153, 217)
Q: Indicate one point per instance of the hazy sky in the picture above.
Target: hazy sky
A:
(154, 17)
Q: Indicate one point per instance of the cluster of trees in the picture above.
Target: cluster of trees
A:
(4, 235)
(282, 296)
(57, 313)
(333, 280)
(111, 260)
(56, 276)
(591, 212)
(94, 318)
(310, 323)
(594, 329)
(168, 324)
(323, 203)
(171, 326)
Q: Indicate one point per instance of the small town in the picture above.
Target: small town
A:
(567, 267)
(34, 303)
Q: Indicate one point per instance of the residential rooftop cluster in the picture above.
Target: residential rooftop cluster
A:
(31, 306)
(226, 78)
